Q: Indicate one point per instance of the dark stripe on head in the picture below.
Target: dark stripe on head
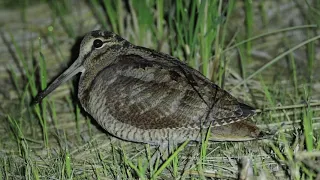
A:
(99, 33)
(98, 56)
(115, 47)
(126, 44)
(96, 33)
(118, 38)
(87, 55)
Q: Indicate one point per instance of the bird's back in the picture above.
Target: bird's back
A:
(143, 92)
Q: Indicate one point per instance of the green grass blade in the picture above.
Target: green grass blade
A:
(276, 60)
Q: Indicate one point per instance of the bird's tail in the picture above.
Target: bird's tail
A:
(238, 131)
(247, 111)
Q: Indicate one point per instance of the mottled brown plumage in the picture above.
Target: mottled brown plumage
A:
(142, 95)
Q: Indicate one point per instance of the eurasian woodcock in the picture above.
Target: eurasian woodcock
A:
(141, 95)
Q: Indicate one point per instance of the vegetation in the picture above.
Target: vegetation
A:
(266, 53)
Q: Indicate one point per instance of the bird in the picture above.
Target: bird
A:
(141, 95)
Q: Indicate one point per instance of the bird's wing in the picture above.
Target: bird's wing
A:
(155, 94)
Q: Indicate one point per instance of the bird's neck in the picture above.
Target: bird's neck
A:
(88, 76)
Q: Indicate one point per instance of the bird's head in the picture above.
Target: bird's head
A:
(96, 48)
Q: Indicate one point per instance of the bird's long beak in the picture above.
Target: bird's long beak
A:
(74, 69)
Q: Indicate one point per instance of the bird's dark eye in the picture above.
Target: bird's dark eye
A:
(97, 43)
